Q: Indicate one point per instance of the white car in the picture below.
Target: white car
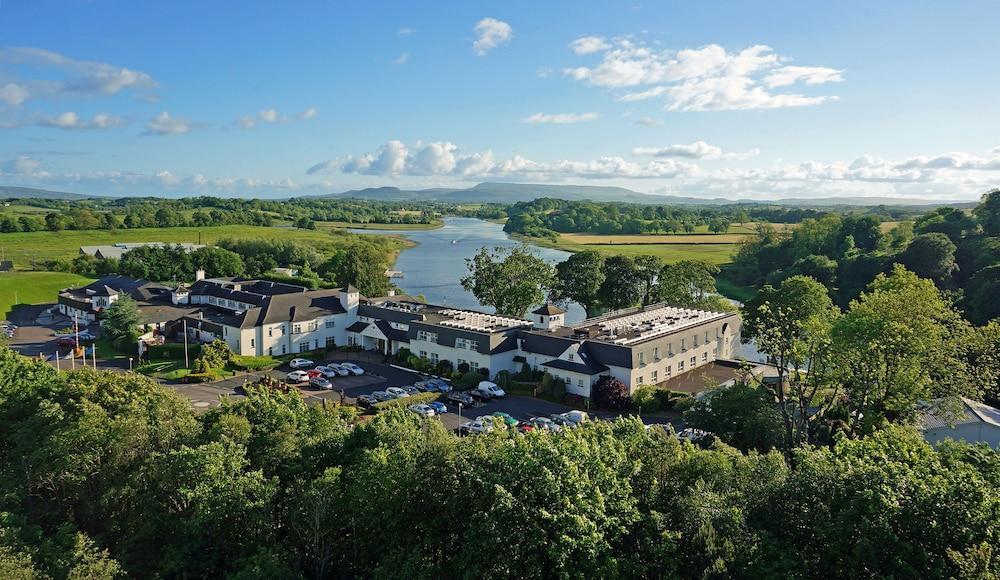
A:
(397, 392)
(353, 369)
(575, 417)
(321, 383)
(327, 371)
(297, 377)
(300, 363)
(339, 369)
(494, 391)
(477, 427)
(422, 410)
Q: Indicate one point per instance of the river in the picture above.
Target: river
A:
(434, 266)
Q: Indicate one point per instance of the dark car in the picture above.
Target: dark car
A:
(411, 390)
(457, 397)
(426, 386)
(367, 401)
(561, 421)
(479, 395)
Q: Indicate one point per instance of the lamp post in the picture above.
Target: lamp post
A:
(130, 364)
(460, 419)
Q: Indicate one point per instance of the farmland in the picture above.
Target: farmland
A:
(34, 287)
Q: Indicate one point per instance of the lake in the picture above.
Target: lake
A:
(434, 266)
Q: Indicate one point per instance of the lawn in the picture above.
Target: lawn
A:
(669, 253)
(34, 287)
(705, 238)
(27, 248)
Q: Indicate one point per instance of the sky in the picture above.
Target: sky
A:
(740, 99)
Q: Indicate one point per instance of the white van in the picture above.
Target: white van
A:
(492, 389)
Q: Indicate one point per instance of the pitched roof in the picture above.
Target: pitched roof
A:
(576, 367)
(358, 326)
(390, 332)
(970, 412)
(546, 344)
(548, 309)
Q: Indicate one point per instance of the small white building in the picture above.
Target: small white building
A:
(974, 422)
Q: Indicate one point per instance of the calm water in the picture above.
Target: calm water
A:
(434, 267)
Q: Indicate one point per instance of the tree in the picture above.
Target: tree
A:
(896, 345)
(982, 358)
(54, 222)
(579, 279)
(647, 269)
(791, 326)
(509, 279)
(361, 264)
(742, 415)
(690, 284)
(122, 320)
(980, 300)
(610, 393)
(622, 286)
(988, 212)
(931, 256)
(217, 261)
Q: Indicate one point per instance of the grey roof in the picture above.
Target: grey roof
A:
(390, 314)
(390, 332)
(548, 309)
(576, 367)
(104, 291)
(544, 343)
(970, 412)
(358, 326)
(299, 307)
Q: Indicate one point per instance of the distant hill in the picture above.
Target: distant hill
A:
(10, 192)
(514, 192)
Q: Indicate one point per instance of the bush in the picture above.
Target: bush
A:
(463, 367)
(610, 393)
(444, 367)
(216, 354)
(558, 389)
(485, 372)
(683, 404)
(646, 399)
(471, 379)
(525, 374)
(201, 377)
(172, 351)
(403, 354)
(503, 379)
(253, 363)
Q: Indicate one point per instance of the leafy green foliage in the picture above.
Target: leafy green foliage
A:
(121, 322)
(510, 280)
(610, 393)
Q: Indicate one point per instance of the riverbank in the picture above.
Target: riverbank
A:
(433, 225)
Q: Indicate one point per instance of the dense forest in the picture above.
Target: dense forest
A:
(126, 213)
(546, 217)
(106, 474)
(959, 251)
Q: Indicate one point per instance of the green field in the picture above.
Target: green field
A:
(669, 253)
(34, 287)
(396, 227)
(29, 248)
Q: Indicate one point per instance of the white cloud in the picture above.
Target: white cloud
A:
(404, 31)
(164, 124)
(444, 159)
(22, 165)
(79, 77)
(708, 78)
(696, 150)
(71, 121)
(403, 58)
(543, 72)
(491, 33)
(272, 116)
(560, 118)
(649, 122)
(588, 45)
(13, 94)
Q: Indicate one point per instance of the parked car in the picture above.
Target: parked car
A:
(321, 383)
(693, 435)
(411, 390)
(300, 363)
(422, 410)
(397, 392)
(543, 423)
(297, 377)
(460, 397)
(561, 421)
(492, 388)
(576, 417)
(476, 427)
(479, 395)
(506, 418)
(313, 373)
(442, 385)
(326, 371)
(426, 386)
(339, 369)
(382, 396)
(439, 407)
(353, 369)
(367, 401)
(71, 339)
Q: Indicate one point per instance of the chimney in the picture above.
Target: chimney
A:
(349, 298)
(392, 292)
(199, 274)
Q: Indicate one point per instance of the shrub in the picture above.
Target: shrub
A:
(201, 377)
(646, 399)
(525, 374)
(485, 372)
(558, 389)
(444, 367)
(684, 403)
(403, 354)
(471, 379)
(253, 363)
(463, 367)
(172, 351)
(503, 379)
(216, 354)
(610, 393)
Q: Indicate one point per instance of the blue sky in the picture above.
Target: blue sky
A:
(711, 99)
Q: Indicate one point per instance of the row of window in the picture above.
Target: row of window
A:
(670, 347)
(667, 371)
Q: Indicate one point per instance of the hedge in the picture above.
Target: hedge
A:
(254, 363)
(173, 351)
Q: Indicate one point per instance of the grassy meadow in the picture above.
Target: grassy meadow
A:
(34, 287)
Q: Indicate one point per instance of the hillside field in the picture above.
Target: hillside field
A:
(34, 287)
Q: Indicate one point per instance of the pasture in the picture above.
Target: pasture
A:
(34, 287)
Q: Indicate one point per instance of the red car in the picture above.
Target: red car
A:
(314, 373)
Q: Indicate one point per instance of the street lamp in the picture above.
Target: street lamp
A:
(130, 364)
(459, 419)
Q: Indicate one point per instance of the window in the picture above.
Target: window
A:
(330, 341)
(696, 341)
(434, 358)
(270, 332)
(642, 359)
(666, 371)
(461, 361)
(656, 353)
(694, 360)
(474, 366)
(428, 336)
(655, 377)
(706, 337)
(270, 350)
(330, 323)
(638, 380)
(572, 356)
(282, 327)
(579, 382)
(251, 343)
(423, 354)
(465, 343)
(704, 357)
(297, 329)
(670, 349)
(683, 348)
(680, 366)
(282, 349)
